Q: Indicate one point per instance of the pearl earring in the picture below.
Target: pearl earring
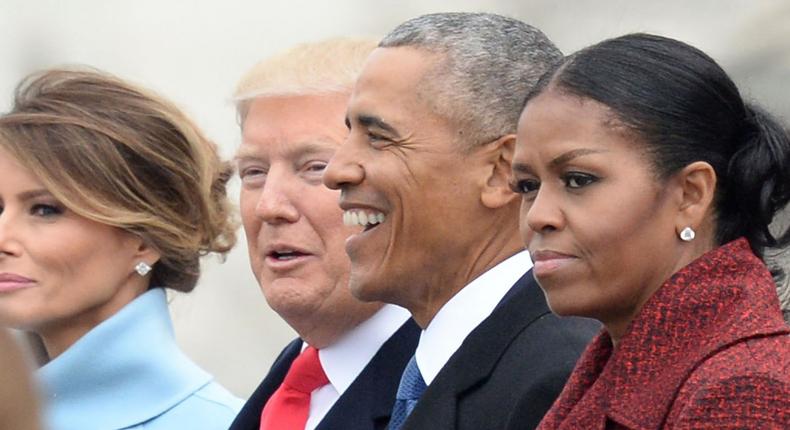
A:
(687, 234)
(142, 268)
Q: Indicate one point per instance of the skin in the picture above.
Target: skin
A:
(449, 215)
(600, 225)
(77, 272)
(287, 143)
(18, 404)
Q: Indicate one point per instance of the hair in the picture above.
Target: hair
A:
(684, 108)
(324, 67)
(125, 157)
(487, 65)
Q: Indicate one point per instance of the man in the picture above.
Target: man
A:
(291, 108)
(432, 120)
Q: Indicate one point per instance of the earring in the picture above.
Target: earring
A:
(142, 268)
(687, 234)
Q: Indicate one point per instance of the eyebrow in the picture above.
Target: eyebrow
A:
(558, 161)
(32, 194)
(570, 155)
(250, 151)
(371, 121)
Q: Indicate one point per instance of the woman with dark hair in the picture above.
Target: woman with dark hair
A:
(648, 188)
(110, 194)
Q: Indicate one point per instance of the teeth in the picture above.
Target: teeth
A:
(356, 217)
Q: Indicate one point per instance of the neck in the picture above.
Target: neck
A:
(442, 283)
(320, 330)
(58, 335)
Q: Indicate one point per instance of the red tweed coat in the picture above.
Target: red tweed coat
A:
(708, 351)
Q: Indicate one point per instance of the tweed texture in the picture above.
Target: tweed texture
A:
(709, 350)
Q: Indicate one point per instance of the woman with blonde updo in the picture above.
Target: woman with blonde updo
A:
(109, 195)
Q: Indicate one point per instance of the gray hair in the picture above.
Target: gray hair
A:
(488, 65)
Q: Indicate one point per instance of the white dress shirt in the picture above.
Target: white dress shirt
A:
(464, 312)
(344, 360)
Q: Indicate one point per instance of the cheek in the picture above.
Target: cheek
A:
(526, 232)
(251, 224)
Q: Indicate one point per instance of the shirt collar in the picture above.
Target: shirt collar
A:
(125, 371)
(464, 312)
(345, 359)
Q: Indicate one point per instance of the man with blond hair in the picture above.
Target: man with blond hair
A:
(344, 369)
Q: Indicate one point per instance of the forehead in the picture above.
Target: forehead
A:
(566, 119)
(293, 123)
(389, 84)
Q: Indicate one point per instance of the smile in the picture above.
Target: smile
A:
(10, 282)
(364, 218)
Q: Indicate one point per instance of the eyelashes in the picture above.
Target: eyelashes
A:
(571, 181)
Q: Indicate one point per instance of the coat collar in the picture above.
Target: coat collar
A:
(125, 371)
(482, 350)
(723, 297)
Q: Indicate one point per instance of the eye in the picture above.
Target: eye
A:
(252, 175)
(575, 180)
(316, 166)
(377, 140)
(524, 186)
(45, 210)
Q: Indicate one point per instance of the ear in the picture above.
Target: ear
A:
(496, 191)
(144, 252)
(698, 187)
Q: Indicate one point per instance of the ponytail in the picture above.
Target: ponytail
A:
(757, 183)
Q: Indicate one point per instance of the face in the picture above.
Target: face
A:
(402, 167)
(598, 223)
(293, 225)
(58, 269)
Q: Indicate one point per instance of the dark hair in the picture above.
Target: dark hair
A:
(685, 108)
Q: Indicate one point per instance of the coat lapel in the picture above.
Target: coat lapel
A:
(480, 352)
(368, 401)
(249, 418)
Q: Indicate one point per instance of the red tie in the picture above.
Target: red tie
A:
(289, 406)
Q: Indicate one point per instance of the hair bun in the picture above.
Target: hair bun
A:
(758, 175)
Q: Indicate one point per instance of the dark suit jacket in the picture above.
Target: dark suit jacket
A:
(509, 370)
(709, 350)
(366, 404)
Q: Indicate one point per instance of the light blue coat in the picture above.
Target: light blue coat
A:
(128, 373)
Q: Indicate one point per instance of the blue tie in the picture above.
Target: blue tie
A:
(409, 391)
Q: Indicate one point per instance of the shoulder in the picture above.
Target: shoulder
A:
(212, 407)
(747, 384)
(554, 336)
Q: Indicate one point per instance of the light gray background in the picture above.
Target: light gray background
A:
(195, 51)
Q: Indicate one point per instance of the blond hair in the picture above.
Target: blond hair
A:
(125, 157)
(324, 67)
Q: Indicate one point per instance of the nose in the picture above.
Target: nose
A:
(276, 201)
(344, 168)
(9, 244)
(544, 214)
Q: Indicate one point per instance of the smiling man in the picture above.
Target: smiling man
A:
(344, 369)
(425, 170)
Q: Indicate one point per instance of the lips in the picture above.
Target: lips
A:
(282, 256)
(13, 282)
(548, 262)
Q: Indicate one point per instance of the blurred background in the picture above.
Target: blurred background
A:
(195, 51)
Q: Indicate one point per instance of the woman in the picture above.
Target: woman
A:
(109, 196)
(648, 189)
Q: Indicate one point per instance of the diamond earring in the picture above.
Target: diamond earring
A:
(142, 268)
(687, 234)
